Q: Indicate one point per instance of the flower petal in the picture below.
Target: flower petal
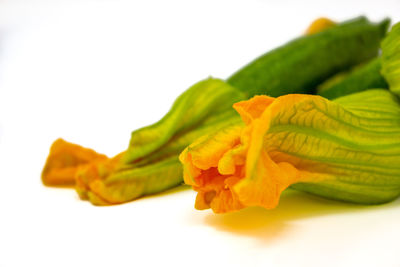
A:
(253, 108)
(64, 160)
(105, 183)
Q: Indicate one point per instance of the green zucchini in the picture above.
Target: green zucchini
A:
(365, 77)
(302, 64)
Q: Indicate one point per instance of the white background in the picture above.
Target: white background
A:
(93, 71)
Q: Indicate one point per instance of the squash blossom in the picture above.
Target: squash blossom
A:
(347, 149)
(150, 164)
(105, 181)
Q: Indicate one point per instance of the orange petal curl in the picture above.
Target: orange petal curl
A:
(64, 161)
(237, 167)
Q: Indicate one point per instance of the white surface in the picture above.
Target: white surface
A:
(92, 71)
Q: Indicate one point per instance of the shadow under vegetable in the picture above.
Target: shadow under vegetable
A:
(265, 224)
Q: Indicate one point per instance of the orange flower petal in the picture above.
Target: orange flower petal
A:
(253, 108)
(64, 160)
(237, 167)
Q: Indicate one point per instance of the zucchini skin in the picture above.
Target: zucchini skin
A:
(302, 64)
(365, 77)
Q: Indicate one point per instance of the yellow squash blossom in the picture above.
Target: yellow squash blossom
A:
(105, 181)
(347, 149)
(150, 164)
(63, 161)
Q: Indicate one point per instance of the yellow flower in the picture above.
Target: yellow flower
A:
(152, 165)
(64, 160)
(103, 180)
(347, 149)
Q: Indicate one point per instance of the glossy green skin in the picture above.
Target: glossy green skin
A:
(365, 77)
(302, 64)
